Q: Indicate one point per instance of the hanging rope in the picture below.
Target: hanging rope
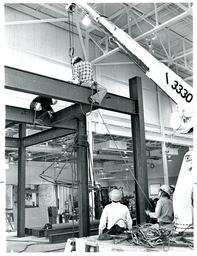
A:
(71, 34)
(125, 162)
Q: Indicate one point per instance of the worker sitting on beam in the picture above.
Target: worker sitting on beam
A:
(42, 107)
(83, 75)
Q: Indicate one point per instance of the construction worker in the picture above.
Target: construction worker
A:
(115, 217)
(83, 75)
(42, 106)
(164, 208)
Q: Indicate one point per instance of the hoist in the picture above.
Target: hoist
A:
(172, 84)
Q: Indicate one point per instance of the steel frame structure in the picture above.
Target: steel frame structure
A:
(73, 119)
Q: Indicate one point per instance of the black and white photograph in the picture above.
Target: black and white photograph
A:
(97, 148)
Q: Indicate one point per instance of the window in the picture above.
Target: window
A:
(32, 196)
(154, 189)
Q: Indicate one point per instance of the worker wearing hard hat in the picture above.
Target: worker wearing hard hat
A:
(115, 217)
(83, 75)
(164, 208)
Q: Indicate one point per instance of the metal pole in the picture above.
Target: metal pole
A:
(139, 150)
(82, 172)
(21, 183)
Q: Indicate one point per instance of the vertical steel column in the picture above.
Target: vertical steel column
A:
(82, 172)
(21, 183)
(139, 150)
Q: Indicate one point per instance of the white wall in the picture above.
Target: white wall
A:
(43, 48)
(33, 171)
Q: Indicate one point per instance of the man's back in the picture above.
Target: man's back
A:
(164, 210)
(114, 212)
(83, 71)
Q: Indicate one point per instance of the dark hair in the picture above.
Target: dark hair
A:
(78, 59)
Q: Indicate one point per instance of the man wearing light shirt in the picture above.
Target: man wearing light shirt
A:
(115, 217)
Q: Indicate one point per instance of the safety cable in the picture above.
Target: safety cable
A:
(72, 189)
(90, 166)
(71, 34)
(125, 162)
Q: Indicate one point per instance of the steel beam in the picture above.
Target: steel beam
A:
(22, 115)
(20, 80)
(167, 23)
(71, 112)
(139, 150)
(25, 22)
(19, 115)
(9, 124)
(82, 172)
(12, 142)
(46, 135)
(21, 183)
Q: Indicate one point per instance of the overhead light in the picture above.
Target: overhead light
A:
(11, 160)
(29, 156)
(86, 21)
(56, 165)
(169, 159)
(6, 163)
(154, 36)
(152, 165)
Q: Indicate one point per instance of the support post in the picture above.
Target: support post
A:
(82, 172)
(139, 150)
(21, 183)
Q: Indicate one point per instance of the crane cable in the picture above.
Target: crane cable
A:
(71, 34)
(125, 162)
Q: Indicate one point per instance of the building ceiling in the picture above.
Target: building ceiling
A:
(164, 29)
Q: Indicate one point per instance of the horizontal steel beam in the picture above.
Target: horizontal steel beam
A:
(23, 81)
(46, 135)
(9, 124)
(23, 115)
(71, 112)
(19, 115)
(12, 142)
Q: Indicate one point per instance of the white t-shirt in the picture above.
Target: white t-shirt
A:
(115, 213)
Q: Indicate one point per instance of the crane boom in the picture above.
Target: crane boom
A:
(172, 84)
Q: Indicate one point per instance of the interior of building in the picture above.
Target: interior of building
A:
(59, 173)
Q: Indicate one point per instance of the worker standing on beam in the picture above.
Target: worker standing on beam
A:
(83, 75)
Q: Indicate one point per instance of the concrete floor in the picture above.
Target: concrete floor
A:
(31, 244)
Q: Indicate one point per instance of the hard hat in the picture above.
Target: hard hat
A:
(166, 189)
(76, 59)
(115, 195)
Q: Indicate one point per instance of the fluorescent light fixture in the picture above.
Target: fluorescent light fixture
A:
(86, 21)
